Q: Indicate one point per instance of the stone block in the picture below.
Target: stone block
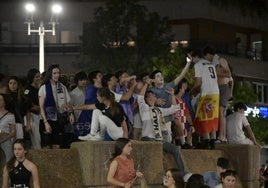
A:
(198, 161)
(57, 167)
(245, 160)
(94, 155)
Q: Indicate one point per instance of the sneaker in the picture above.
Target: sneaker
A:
(186, 146)
(96, 137)
(89, 137)
(221, 141)
(85, 138)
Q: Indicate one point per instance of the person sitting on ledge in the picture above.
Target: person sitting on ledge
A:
(235, 124)
(108, 116)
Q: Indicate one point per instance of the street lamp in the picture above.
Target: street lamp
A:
(56, 10)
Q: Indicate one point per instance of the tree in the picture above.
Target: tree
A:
(244, 91)
(172, 65)
(124, 34)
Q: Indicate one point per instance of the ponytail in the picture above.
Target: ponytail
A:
(106, 93)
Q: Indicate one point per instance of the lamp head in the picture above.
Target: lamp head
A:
(56, 9)
(30, 7)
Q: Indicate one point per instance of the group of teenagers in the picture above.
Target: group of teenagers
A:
(113, 106)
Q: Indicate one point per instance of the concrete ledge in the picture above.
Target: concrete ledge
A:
(245, 160)
(83, 165)
(149, 155)
(198, 161)
(57, 168)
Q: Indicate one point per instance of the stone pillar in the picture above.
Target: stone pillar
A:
(245, 160)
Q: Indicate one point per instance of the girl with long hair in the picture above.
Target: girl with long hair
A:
(54, 102)
(19, 104)
(19, 169)
(121, 172)
(107, 116)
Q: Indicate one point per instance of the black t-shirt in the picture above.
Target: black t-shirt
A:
(18, 108)
(117, 118)
(32, 94)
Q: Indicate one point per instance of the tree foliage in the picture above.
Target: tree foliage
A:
(244, 91)
(124, 34)
(259, 127)
(172, 65)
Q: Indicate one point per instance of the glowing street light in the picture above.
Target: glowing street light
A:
(30, 8)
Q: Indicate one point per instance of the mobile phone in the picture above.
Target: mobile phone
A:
(188, 59)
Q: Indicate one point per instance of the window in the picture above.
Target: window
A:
(262, 92)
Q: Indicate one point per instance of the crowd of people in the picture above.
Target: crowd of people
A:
(52, 112)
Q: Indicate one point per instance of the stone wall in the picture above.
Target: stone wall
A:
(148, 155)
(84, 165)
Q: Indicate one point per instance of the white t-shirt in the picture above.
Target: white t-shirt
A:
(60, 98)
(234, 127)
(205, 70)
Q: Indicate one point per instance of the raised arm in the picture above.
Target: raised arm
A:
(182, 74)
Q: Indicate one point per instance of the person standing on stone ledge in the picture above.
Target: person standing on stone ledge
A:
(121, 172)
(19, 169)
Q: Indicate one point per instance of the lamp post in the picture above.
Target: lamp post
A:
(30, 8)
